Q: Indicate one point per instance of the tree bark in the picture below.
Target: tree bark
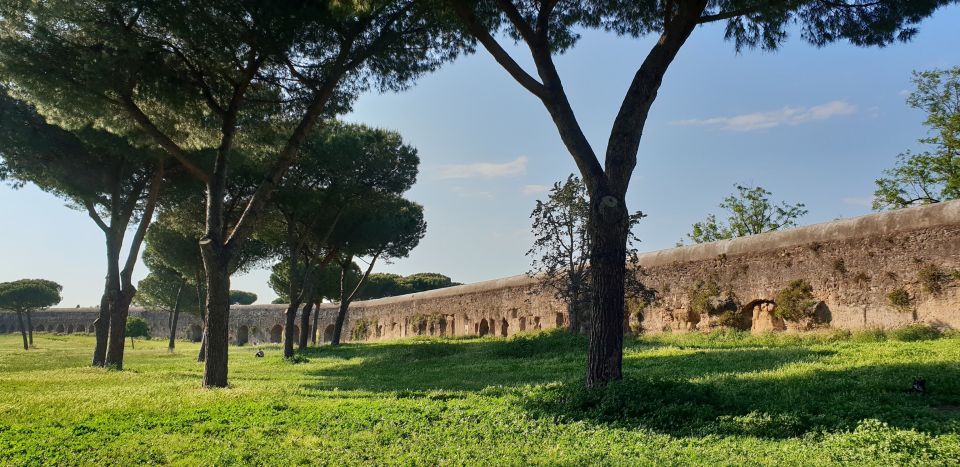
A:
(118, 328)
(111, 292)
(175, 316)
(609, 223)
(316, 318)
(305, 324)
(23, 330)
(217, 330)
(290, 320)
(30, 327)
(346, 299)
(341, 318)
(131, 343)
(573, 313)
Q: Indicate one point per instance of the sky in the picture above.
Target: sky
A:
(811, 125)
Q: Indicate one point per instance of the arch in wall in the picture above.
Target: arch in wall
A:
(195, 334)
(328, 333)
(69, 329)
(3, 328)
(296, 333)
(443, 327)
(523, 323)
(243, 335)
(59, 329)
(504, 327)
(483, 328)
(38, 328)
(92, 329)
(254, 334)
(276, 334)
(560, 320)
(536, 323)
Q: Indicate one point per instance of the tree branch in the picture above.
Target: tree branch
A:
(162, 139)
(145, 219)
(92, 212)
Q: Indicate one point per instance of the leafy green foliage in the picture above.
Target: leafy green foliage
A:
(783, 398)
(795, 301)
(900, 298)
(27, 295)
(700, 295)
(932, 278)
(381, 285)
(915, 332)
(934, 175)
(240, 297)
(749, 212)
(160, 289)
(138, 327)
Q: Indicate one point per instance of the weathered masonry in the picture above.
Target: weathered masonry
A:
(879, 270)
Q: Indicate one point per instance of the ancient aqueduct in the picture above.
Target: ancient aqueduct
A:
(852, 264)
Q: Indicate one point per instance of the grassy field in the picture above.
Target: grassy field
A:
(723, 398)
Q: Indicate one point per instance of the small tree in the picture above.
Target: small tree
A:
(561, 248)
(240, 297)
(930, 176)
(749, 212)
(26, 296)
(137, 327)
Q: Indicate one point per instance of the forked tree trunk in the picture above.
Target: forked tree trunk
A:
(175, 315)
(305, 324)
(290, 320)
(23, 330)
(118, 328)
(30, 327)
(341, 318)
(216, 333)
(609, 223)
(111, 291)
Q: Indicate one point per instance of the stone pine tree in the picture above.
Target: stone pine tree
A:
(339, 165)
(324, 284)
(933, 175)
(114, 181)
(137, 327)
(242, 297)
(749, 212)
(26, 296)
(385, 228)
(205, 78)
(561, 249)
(549, 27)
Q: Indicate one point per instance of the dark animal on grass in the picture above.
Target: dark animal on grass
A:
(919, 386)
(259, 354)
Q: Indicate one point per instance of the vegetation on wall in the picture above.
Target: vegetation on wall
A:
(795, 301)
(900, 298)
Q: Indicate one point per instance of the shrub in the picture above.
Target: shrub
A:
(361, 329)
(899, 298)
(870, 335)
(795, 301)
(700, 296)
(915, 332)
(931, 278)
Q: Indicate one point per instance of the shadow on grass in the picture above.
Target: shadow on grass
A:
(720, 391)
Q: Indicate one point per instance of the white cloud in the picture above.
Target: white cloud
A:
(859, 201)
(513, 168)
(535, 189)
(785, 116)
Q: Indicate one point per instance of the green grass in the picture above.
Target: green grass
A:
(724, 398)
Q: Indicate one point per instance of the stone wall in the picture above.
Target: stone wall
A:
(852, 265)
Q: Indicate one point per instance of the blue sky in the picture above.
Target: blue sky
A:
(811, 125)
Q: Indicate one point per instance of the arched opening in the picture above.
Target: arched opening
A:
(195, 334)
(504, 327)
(560, 320)
(296, 333)
(536, 323)
(254, 334)
(69, 329)
(276, 334)
(523, 323)
(92, 329)
(38, 328)
(328, 333)
(484, 328)
(3, 329)
(243, 335)
(443, 327)
(59, 328)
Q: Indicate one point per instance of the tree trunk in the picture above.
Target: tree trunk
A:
(111, 291)
(30, 327)
(305, 324)
(131, 343)
(217, 330)
(289, 323)
(316, 318)
(202, 308)
(23, 330)
(341, 318)
(175, 315)
(609, 222)
(118, 328)
(573, 314)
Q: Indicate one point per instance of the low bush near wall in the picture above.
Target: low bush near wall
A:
(795, 301)
(899, 298)
(915, 332)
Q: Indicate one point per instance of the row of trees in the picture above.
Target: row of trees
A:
(197, 87)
